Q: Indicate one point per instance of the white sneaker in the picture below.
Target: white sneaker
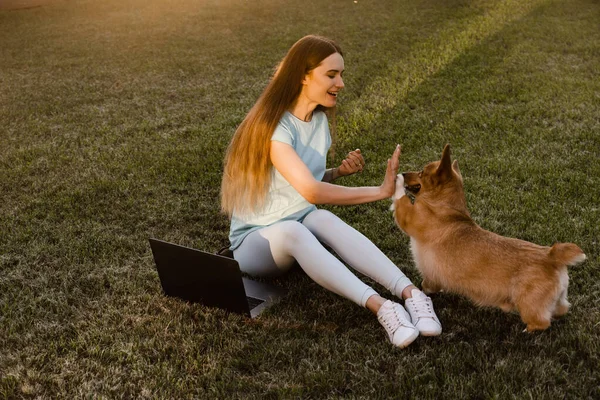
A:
(421, 312)
(396, 322)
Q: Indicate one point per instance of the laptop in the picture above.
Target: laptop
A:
(210, 279)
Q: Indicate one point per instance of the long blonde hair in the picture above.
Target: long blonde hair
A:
(247, 171)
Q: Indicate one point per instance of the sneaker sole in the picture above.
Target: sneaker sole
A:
(429, 334)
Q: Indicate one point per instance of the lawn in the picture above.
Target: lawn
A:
(114, 119)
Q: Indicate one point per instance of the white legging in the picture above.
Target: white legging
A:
(272, 250)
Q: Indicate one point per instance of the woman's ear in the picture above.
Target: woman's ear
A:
(306, 79)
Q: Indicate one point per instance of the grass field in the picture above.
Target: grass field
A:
(114, 118)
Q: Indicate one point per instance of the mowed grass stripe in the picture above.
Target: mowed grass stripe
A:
(393, 85)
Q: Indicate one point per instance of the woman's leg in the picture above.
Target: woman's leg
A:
(271, 251)
(358, 251)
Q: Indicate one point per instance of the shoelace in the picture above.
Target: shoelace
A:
(423, 308)
(393, 320)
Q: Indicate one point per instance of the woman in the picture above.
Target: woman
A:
(275, 174)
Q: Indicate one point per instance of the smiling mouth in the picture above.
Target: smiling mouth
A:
(332, 94)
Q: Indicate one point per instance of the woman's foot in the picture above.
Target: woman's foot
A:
(396, 322)
(422, 315)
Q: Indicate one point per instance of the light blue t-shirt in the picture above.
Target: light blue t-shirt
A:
(311, 140)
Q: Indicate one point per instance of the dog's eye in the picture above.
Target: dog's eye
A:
(420, 174)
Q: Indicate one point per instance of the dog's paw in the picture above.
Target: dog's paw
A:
(399, 191)
(399, 188)
(430, 288)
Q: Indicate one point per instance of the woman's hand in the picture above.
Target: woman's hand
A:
(353, 163)
(388, 187)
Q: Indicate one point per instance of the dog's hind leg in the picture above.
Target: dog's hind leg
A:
(535, 303)
(562, 305)
(536, 313)
(535, 321)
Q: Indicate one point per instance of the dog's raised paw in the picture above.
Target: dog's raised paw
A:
(400, 191)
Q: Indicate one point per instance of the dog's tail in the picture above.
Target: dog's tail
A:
(567, 254)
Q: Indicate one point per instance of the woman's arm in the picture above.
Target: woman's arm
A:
(293, 169)
(331, 175)
(353, 163)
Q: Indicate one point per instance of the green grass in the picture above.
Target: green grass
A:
(114, 117)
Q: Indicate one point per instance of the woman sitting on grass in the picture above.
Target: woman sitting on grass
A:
(275, 174)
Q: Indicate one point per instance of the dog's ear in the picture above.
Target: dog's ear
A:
(455, 167)
(444, 170)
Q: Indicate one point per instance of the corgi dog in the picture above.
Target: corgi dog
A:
(454, 254)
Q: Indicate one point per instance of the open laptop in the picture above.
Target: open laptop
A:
(210, 279)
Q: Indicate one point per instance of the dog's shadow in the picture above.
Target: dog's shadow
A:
(461, 319)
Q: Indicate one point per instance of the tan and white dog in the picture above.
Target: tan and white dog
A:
(454, 254)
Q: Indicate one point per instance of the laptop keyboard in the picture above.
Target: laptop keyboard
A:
(254, 302)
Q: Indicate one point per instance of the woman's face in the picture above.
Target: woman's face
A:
(323, 84)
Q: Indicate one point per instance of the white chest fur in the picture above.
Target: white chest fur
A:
(425, 260)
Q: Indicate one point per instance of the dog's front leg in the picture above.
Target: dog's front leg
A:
(402, 206)
(430, 287)
(400, 191)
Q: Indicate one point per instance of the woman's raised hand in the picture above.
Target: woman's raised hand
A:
(353, 163)
(389, 182)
